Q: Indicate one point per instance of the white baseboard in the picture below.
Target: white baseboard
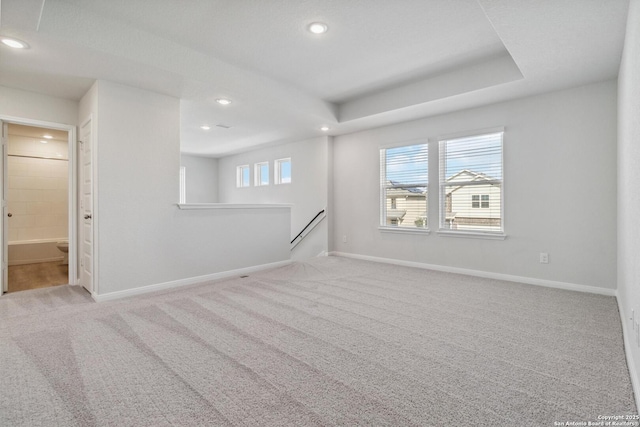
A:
(484, 274)
(628, 343)
(188, 281)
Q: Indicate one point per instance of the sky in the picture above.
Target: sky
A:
(285, 172)
(408, 164)
(482, 154)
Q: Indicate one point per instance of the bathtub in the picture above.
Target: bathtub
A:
(33, 251)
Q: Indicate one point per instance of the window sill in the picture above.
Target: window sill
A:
(404, 230)
(472, 235)
(191, 206)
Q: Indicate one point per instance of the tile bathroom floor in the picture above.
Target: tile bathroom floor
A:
(35, 276)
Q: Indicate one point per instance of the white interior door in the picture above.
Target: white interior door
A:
(4, 229)
(86, 208)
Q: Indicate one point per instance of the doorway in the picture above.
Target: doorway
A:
(38, 205)
(38, 228)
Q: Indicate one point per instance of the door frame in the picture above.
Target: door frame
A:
(72, 190)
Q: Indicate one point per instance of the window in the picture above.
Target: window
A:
(476, 198)
(243, 176)
(261, 174)
(282, 171)
(471, 169)
(183, 185)
(403, 186)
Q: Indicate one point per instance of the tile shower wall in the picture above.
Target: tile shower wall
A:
(38, 190)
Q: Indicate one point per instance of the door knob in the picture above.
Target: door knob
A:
(87, 216)
(9, 214)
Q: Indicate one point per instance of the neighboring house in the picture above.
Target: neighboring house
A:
(406, 206)
(471, 206)
(475, 205)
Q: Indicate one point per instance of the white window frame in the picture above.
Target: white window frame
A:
(382, 224)
(257, 175)
(240, 174)
(488, 234)
(277, 171)
(183, 185)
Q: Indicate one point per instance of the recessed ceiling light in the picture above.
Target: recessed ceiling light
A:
(324, 128)
(14, 43)
(205, 127)
(47, 136)
(318, 27)
(44, 142)
(223, 101)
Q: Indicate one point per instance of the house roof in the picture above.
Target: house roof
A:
(398, 187)
(471, 176)
(380, 62)
(468, 176)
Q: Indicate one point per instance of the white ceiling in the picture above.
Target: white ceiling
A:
(381, 61)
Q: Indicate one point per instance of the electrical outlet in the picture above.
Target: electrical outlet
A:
(637, 327)
(344, 238)
(544, 258)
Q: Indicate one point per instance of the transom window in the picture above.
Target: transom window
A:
(471, 170)
(261, 174)
(403, 186)
(243, 176)
(282, 171)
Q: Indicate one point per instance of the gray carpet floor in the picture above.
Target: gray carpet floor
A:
(331, 341)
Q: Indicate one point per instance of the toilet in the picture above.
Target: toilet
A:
(64, 248)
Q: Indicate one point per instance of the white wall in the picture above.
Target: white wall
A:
(143, 238)
(560, 189)
(628, 179)
(308, 191)
(201, 178)
(34, 106)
